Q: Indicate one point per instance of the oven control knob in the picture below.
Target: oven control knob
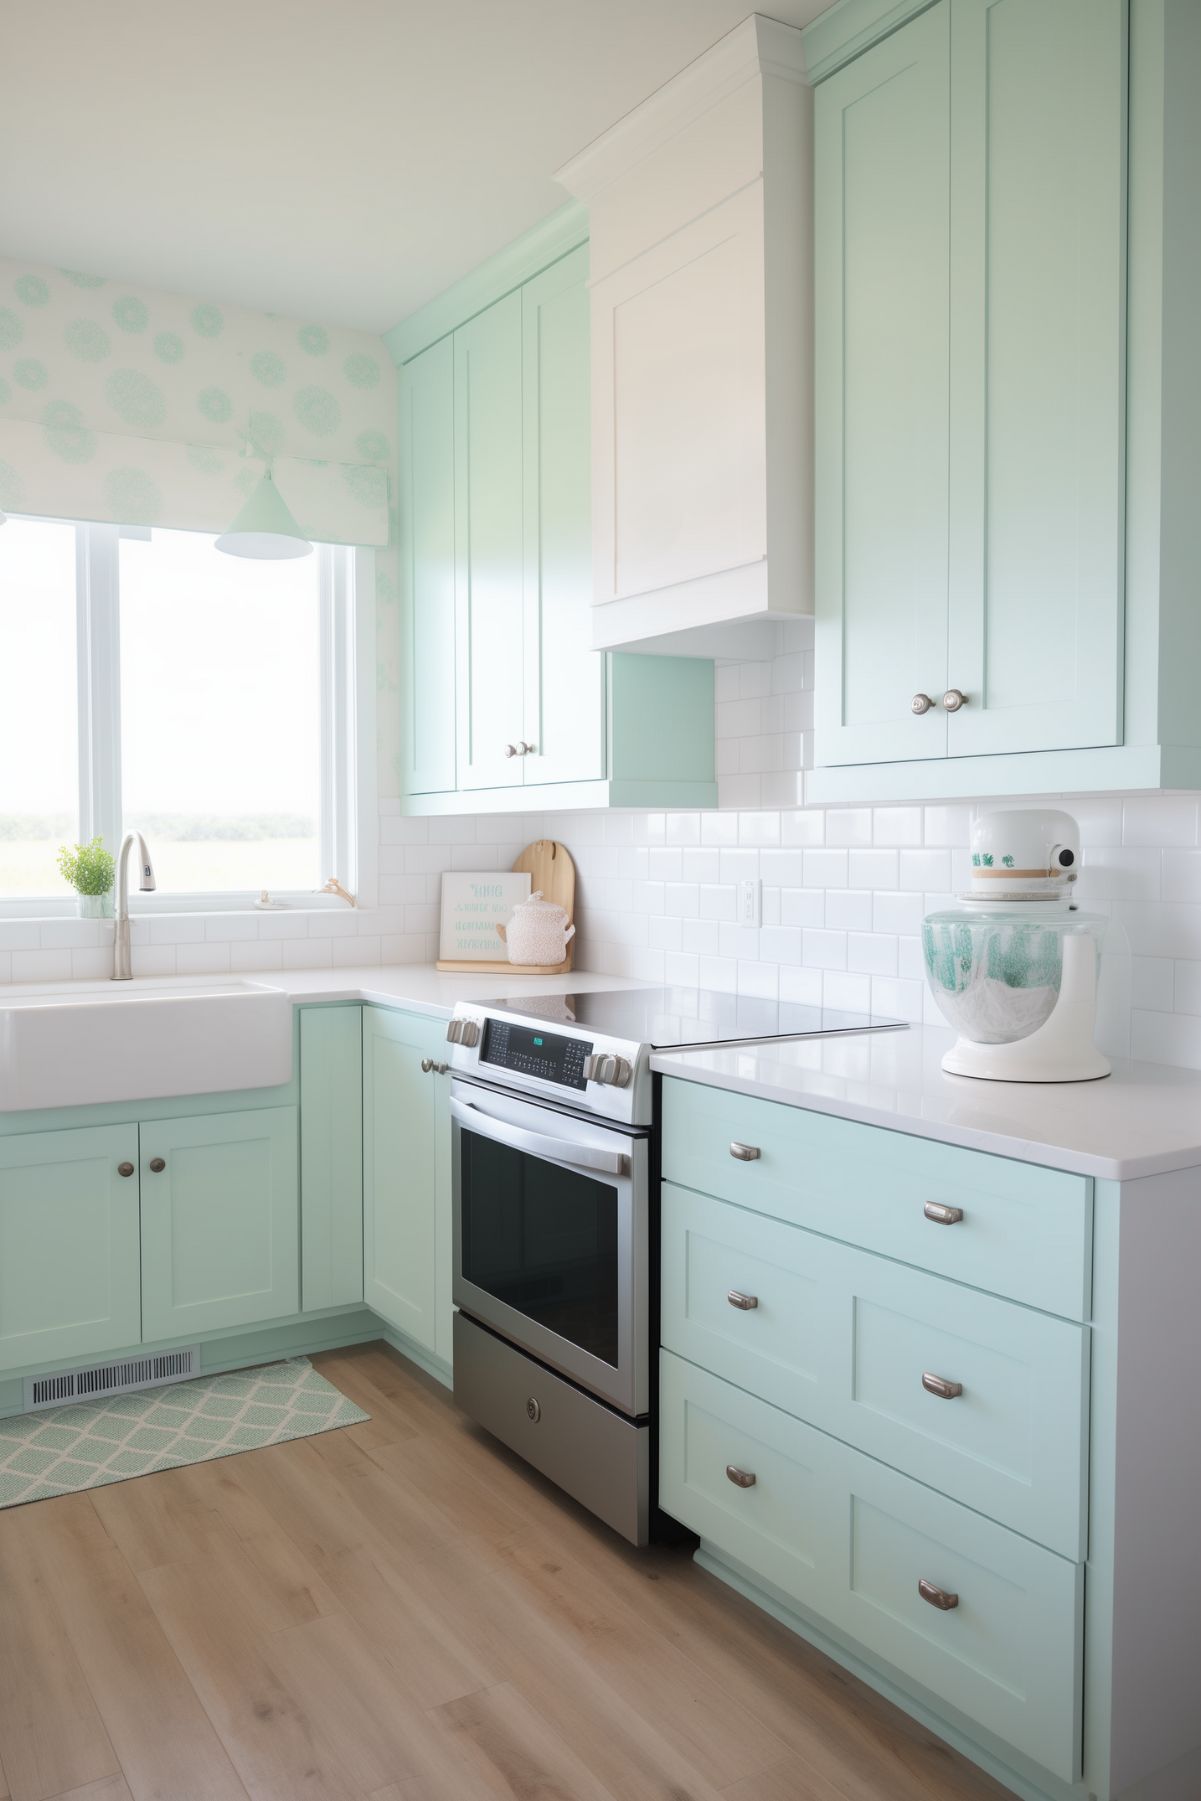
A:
(608, 1071)
(533, 1410)
(463, 1031)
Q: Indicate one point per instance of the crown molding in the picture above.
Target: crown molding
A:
(757, 47)
(491, 280)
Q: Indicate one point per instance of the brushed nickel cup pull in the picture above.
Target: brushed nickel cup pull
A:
(125, 1169)
(942, 1598)
(745, 1153)
(942, 1216)
(940, 1386)
(158, 1165)
(744, 1302)
(740, 1478)
(953, 699)
(921, 703)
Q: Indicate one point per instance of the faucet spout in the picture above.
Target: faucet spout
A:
(122, 965)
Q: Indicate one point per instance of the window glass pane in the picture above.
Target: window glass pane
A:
(220, 714)
(39, 779)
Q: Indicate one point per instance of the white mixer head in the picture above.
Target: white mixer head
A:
(1024, 853)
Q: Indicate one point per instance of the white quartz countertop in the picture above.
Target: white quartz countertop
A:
(1142, 1120)
(419, 988)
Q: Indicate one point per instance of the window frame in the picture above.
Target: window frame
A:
(347, 835)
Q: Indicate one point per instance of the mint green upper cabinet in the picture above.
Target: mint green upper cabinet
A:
(427, 563)
(68, 1245)
(882, 250)
(220, 1221)
(406, 1177)
(970, 283)
(489, 599)
(564, 676)
(1037, 375)
(505, 702)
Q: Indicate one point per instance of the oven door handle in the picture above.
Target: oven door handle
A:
(563, 1150)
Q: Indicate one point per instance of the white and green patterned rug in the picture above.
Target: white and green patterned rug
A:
(90, 1443)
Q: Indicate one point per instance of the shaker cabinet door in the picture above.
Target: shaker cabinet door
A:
(489, 598)
(68, 1245)
(427, 571)
(564, 676)
(402, 1170)
(882, 252)
(1037, 284)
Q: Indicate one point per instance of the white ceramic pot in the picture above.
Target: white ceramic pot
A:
(538, 931)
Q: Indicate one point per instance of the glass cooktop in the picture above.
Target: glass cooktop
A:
(666, 1018)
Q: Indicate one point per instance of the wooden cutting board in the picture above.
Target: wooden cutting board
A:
(551, 870)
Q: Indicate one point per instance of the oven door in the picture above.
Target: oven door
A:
(551, 1239)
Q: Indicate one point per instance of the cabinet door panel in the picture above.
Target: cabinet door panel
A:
(564, 676)
(882, 303)
(68, 1245)
(489, 529)
(402, 1170)
(427, 562)
(220, 1221)
(1037, 377)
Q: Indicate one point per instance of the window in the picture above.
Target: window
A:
(148, 681)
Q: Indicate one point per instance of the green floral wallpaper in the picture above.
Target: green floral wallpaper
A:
(132, 405)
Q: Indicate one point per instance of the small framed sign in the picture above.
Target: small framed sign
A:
(473, 905)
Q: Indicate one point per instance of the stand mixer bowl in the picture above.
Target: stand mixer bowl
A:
(996, 972)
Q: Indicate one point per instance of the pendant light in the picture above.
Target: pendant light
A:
(265, 527)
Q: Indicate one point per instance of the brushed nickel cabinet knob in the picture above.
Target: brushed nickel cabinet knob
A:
(953, 699)
(427, 1063)
(524, 749)
(125, 1169)
(740, 1478)
(942, 1598)
(510, 750)
(941, 1386)
(921, 703)
(158, 1165)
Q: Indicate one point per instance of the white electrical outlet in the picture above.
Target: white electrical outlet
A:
(750, 902)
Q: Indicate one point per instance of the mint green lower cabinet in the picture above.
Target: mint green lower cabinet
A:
(331, 1156)
(68, 1244)
(220, 1221)
(849, 1540)
(848, 1341)
(406, 1177)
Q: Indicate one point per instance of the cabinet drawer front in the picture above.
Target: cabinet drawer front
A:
(850, 1540)
(875, 1353)
(1024, 1231)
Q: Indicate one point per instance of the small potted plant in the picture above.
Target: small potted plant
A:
(90, 870)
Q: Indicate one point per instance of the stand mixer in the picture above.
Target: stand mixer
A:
(1014, 966)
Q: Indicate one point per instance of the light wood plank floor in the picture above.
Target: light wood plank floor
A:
(401, 1611)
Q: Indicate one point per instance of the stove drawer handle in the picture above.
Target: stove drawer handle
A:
(745, 1153)
(562, 1150)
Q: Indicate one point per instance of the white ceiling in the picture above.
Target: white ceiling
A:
(344, 160)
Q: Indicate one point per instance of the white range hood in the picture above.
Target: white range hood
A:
(699, 203)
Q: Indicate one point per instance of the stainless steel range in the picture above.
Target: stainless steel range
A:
(555, 1219)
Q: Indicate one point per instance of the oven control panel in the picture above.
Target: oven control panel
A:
(550, 1056)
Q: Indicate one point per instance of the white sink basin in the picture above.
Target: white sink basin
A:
(74, 1043)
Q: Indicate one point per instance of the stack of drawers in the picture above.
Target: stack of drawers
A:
(874, 1397)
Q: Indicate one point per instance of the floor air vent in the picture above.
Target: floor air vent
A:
(99, 1379)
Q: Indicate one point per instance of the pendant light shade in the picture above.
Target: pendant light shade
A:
(265, 527)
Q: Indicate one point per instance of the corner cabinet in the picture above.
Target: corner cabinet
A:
(998, 337)
(506, 704)
(407, 1178)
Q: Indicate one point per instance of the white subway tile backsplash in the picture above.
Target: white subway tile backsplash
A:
(849, 826)
(201, 959)
(1159, 820)
(41, 966)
